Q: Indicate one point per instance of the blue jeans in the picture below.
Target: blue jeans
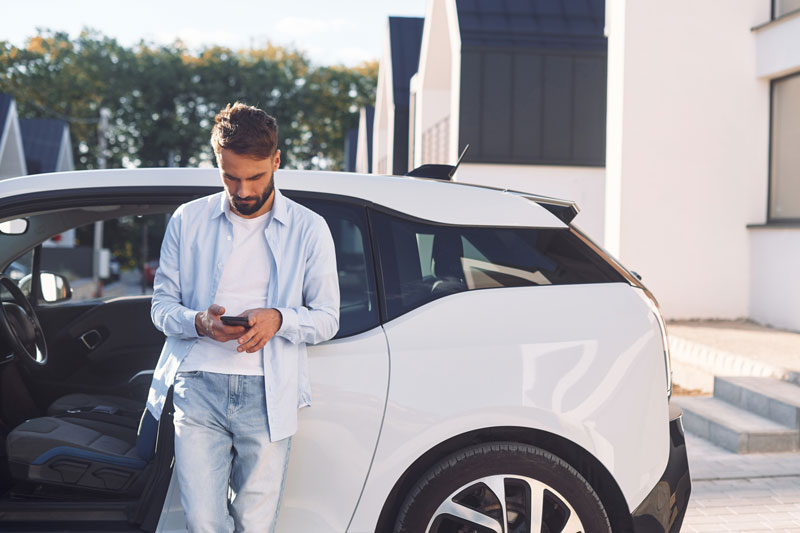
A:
(230, 475)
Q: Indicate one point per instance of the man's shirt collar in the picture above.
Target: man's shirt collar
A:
(278, 206)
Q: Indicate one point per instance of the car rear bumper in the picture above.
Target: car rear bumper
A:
(662, 511)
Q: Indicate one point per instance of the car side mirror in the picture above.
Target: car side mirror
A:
(18, 226)
(55, 287)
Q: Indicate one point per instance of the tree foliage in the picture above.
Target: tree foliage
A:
(163, 99)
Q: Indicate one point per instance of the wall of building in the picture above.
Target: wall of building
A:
(532, 106)
(687, 149)
(432, 86)
(775, 247)
(774, 283)
(383, 129)
(583, 185)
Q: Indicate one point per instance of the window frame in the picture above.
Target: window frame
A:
(774, 16)
(369, 242)
(772, 220)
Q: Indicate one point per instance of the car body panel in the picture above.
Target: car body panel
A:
(579, 361)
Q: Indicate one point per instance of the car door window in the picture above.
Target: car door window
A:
(358, 311)
(424, 261)
(126, 262)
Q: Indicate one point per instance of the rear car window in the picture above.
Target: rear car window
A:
(424, 261)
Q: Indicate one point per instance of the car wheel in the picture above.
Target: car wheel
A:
(502, 487)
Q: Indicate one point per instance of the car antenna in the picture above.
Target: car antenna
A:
(455, 167)
(437, 171)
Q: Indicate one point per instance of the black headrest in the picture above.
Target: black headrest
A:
(447, 253)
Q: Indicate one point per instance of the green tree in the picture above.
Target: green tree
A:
(163, 99)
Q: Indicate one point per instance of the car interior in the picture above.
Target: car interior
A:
(77, 444)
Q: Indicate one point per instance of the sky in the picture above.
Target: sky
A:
(330, 31)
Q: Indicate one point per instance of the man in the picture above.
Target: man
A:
(251, 252)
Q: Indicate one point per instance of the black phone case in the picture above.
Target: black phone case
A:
(235, 321)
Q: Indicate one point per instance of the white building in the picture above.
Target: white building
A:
(703, 154)
(364, 140)
(524, 84)
(398, 64)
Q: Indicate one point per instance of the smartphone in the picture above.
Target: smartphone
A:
(235, 321)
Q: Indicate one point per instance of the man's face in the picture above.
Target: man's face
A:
(248, 182)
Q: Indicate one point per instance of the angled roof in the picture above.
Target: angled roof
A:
(41, 139)
(405, 40)
(571, 24)
(5, 106)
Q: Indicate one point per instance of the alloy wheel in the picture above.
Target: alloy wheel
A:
(505, 504)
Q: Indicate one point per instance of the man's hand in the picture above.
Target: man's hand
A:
(264, 323)
(208, 324)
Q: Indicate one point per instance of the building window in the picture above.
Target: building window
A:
(784, 156)
(784, 7)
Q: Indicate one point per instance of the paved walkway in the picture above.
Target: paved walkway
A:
(730, 492)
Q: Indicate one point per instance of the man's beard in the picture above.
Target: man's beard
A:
(258, 202)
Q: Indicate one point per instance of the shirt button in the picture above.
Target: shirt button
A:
(219, 265)
(229, 237)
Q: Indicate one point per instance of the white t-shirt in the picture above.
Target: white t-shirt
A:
(243, 286)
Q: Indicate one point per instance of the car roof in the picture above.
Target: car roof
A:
(434, 200)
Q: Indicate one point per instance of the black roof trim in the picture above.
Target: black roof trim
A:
(564, 213)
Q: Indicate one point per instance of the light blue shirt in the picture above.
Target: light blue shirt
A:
(304, 287)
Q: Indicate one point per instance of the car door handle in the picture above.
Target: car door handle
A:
(91, 339)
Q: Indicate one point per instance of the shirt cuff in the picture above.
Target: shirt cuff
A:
(289, 324)
(189, 329)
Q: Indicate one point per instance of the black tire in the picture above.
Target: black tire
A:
(520, 469)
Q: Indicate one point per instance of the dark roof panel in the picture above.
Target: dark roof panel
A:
(5, 106)
(405, 39)
(370, 118)
(350, 148)
(41, 140)
(570, 24)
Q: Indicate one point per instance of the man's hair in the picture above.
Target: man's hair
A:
(245, 130)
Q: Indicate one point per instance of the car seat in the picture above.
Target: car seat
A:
(446, 264)
(92, 450)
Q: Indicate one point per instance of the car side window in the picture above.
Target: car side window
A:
(126, 262)
(358, 310)
(425, 261)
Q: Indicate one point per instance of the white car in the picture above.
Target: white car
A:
(495, 370)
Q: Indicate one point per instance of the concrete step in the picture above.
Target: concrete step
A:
(771, 398)
(733, 428)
